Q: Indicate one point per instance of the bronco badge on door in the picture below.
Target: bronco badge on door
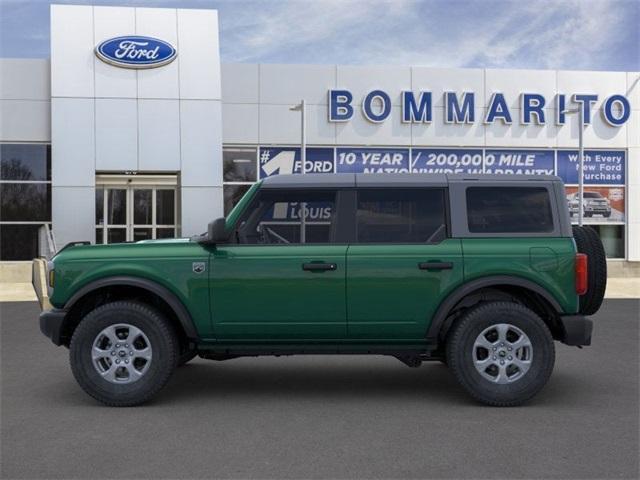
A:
(198, 267)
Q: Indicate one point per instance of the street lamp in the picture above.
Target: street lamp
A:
(303, 158)
(580, 111)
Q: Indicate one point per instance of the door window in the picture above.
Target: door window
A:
(289, 217)
(401, 215)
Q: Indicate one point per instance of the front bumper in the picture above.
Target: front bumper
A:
(51, 325)
(576, 330)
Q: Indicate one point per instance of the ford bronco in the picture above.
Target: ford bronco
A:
(482, 273)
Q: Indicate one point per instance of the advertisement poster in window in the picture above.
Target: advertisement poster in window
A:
(372, 160)
(601, 204)
(601, 167)
(286, 160)
(519, 162)
(442, 160)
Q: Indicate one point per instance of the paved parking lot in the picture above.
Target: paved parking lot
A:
(322, 417)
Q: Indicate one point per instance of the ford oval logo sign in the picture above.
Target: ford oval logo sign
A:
(134, 51)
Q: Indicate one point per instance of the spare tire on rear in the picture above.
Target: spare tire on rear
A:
(589, 243)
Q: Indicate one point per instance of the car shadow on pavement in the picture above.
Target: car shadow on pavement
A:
(311, 379)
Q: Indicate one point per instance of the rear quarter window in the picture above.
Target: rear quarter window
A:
(509, 210)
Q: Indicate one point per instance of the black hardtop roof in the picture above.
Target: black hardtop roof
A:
(327, 180)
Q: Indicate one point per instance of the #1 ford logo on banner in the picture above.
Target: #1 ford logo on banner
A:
(134, 51)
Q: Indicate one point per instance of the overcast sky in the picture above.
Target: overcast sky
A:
(561, 34)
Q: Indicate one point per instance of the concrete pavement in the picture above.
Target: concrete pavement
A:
(322, 417)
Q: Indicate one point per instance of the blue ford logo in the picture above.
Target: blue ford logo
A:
(134, 51)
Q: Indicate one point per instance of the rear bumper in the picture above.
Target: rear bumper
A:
(51, 323)
(576, 330)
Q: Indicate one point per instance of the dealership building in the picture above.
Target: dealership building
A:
(96, 145)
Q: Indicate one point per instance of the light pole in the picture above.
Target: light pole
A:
(303, 133)
(303, 158)
(580, 111)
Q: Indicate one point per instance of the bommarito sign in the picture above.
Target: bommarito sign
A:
(460, 108)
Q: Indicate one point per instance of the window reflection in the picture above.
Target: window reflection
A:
(239, 164)
(24, 162)
(25, 202)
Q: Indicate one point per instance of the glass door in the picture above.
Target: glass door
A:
(135, 212)
(153, 212)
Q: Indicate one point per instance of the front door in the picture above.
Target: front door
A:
(135, 211)
(401, 265)
(284, 278)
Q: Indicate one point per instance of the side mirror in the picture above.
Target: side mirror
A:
(217, 231)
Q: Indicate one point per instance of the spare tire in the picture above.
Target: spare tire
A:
(589, 243)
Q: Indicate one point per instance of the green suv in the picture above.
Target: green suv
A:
(482, 273)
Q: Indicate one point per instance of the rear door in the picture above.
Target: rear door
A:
(285, 278)
(401, 264)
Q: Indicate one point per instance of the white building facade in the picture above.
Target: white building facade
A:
(103, 153)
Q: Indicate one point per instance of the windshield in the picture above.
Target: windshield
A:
(592, 195)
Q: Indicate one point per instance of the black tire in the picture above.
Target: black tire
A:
(461, 351)
(607, 214)
(186, 356)
(164, 349)
(589, 243)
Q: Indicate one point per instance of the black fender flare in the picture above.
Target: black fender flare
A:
(440, 317)
(181, 312)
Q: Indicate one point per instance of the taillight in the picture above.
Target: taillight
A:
(581, 274)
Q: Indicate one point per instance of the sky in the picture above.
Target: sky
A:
(534, 34)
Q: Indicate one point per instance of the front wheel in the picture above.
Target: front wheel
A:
(123, 353)
(502, 353)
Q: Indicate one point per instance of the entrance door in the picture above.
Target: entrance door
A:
(133, 212)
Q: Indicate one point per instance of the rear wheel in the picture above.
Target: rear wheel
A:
(502, 353)
(589, 243)
(123, 353)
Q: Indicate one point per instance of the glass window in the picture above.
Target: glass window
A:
(612, 237)
(288, 217)
(165, 233)
(99, 235)
(99, 206)
(25, 202)
(239, 164)
(400, 216)
(232, 195)
(18, 242)
(116, 235)
(165, 207)
(142, 206)
(509, 210)
(142, 234)
(25, 162)
(117, 207)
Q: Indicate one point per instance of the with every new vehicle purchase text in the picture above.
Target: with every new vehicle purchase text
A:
(480, 272)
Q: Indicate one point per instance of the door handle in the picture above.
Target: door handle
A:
(319, 266)
(435, 265)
